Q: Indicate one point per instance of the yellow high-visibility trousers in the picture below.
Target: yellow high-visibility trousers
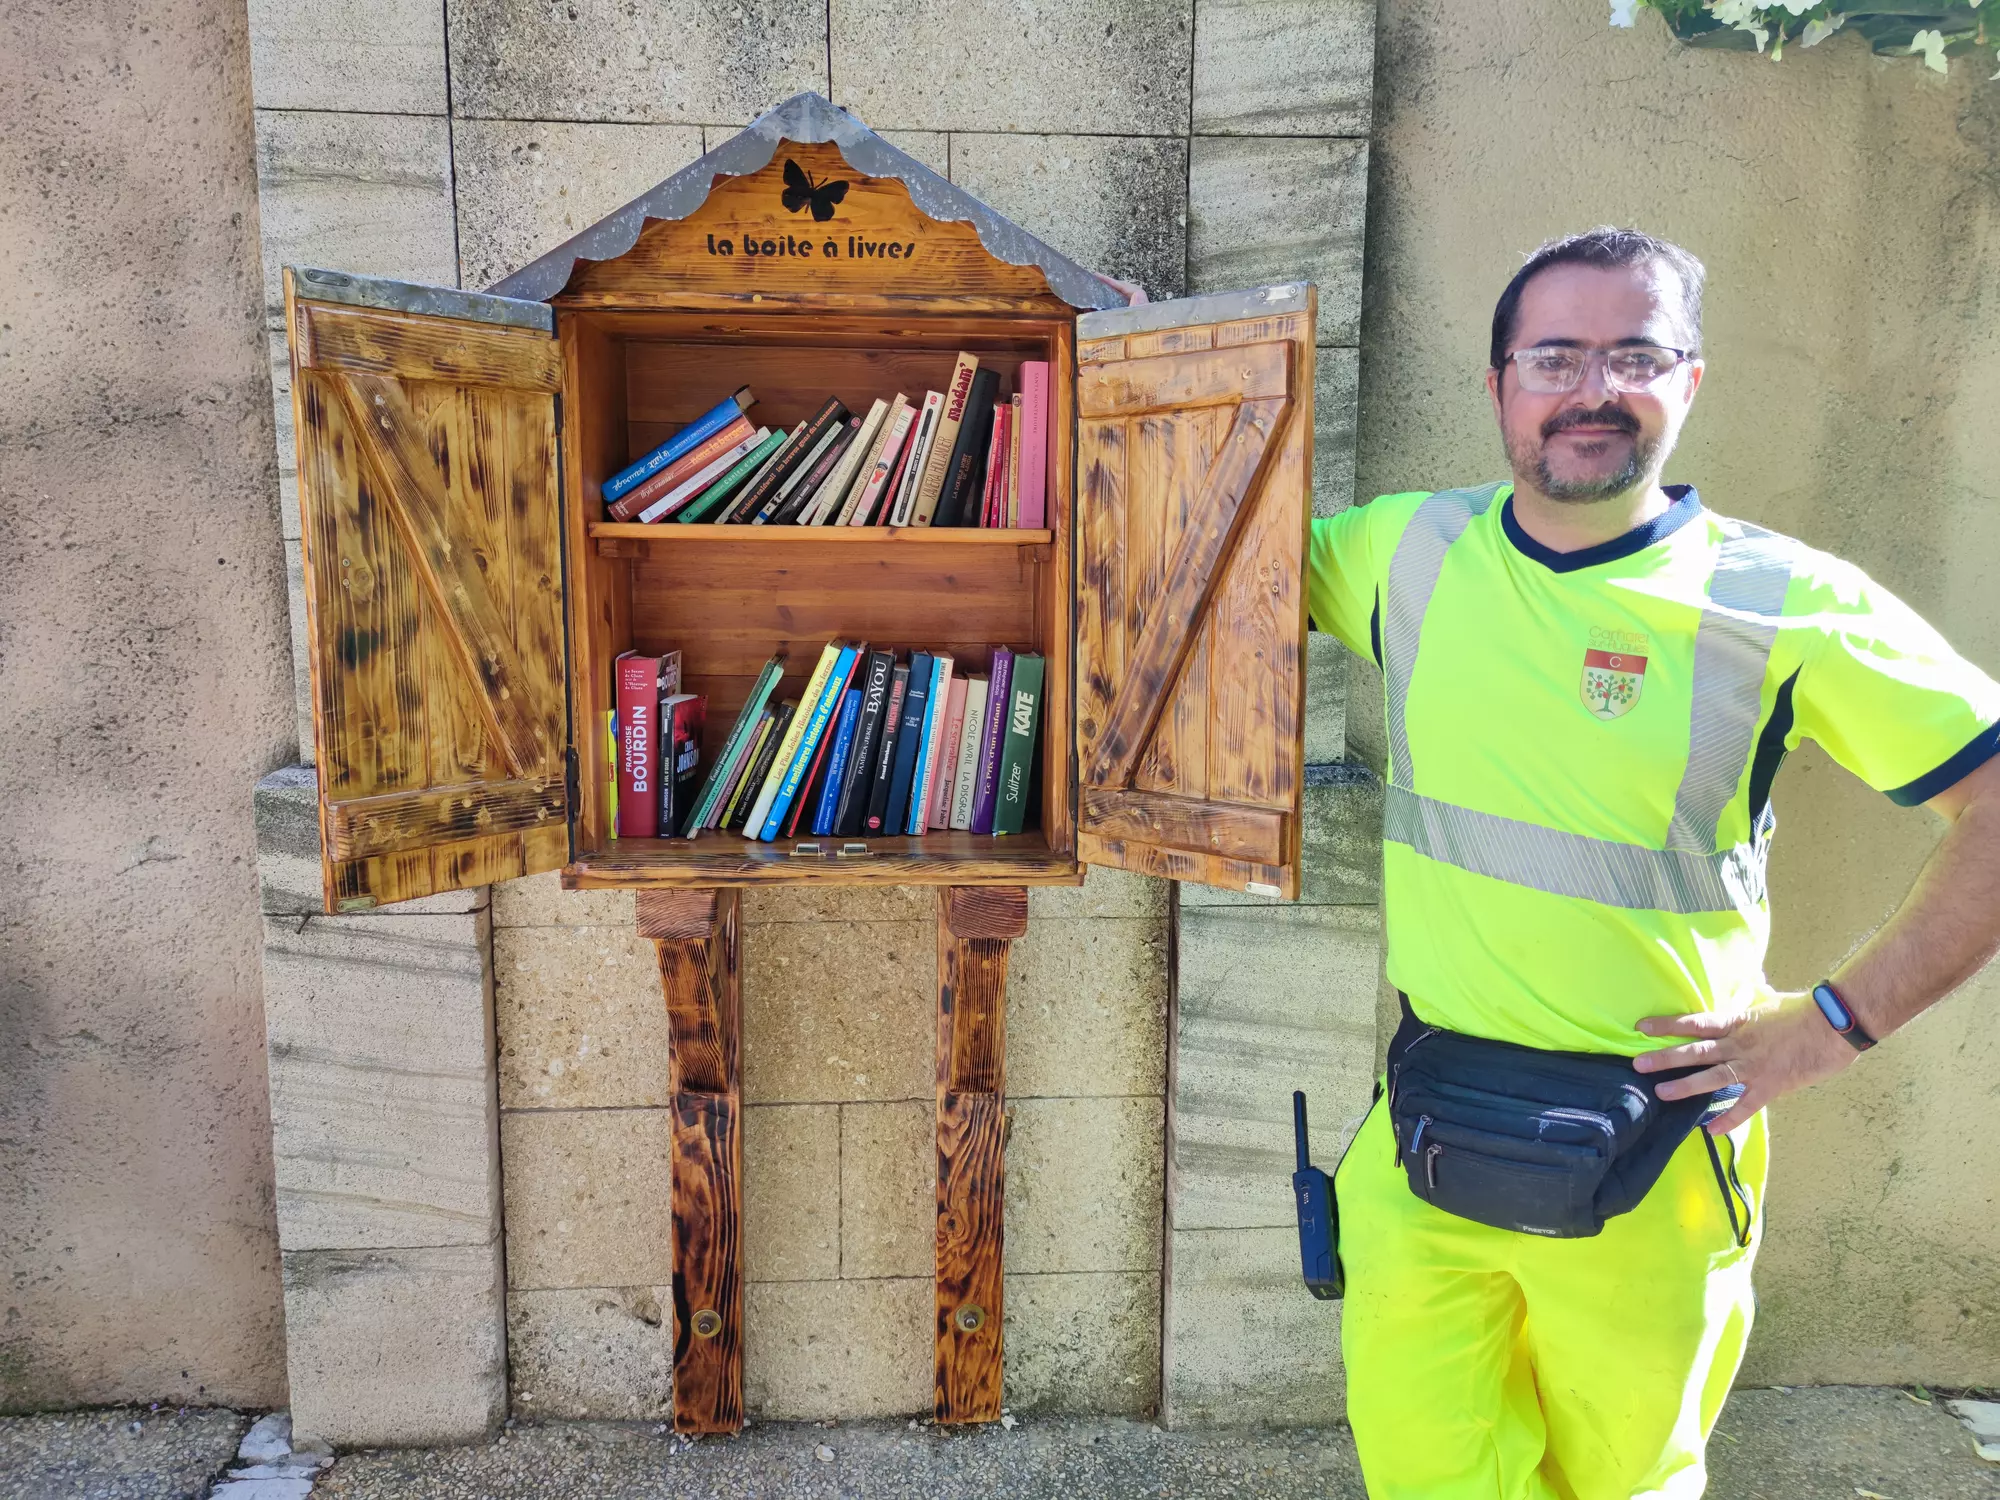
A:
(1485, 1364)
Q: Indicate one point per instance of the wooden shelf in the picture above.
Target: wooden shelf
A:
(930, 536)
(727, 859)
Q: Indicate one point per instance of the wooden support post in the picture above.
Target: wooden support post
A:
(975, 926)
(695, 932)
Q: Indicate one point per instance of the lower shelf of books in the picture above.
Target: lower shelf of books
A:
(721, 859)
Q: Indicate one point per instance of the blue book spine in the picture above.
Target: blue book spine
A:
(913, 815)
(681, 442)
(836, 768)
(808, 742)
(916, 701)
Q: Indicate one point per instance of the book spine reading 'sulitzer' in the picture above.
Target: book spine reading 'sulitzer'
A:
(1017, 751)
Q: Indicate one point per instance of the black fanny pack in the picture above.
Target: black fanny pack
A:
(1549, 1143)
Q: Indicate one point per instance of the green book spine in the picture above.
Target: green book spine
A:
(746, 723)
(726, 486)
(1017, 750)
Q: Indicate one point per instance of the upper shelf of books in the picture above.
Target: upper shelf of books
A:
(930, 536)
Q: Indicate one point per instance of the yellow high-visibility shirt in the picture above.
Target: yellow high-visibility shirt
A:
(1581, 747)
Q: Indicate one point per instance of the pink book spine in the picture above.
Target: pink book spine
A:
(1034, 442)
(946, 778)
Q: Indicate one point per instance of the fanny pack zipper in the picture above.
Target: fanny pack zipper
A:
(1396, 1077)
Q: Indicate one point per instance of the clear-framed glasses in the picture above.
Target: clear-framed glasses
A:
(1556, 369)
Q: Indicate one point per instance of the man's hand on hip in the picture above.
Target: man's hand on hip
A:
(1779, 1044)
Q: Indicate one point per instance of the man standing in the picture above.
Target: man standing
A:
(1591, 682)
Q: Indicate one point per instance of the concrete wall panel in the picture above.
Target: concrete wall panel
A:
(144, 687)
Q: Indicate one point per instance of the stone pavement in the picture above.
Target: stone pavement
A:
(1828, 1443)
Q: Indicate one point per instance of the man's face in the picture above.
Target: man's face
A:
(1593, 443)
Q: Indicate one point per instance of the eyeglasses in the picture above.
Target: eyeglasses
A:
(1556, 369)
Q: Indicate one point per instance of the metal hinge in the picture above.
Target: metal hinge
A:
(572, 778)
(559, 414)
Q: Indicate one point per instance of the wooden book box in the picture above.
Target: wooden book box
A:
(466, 596)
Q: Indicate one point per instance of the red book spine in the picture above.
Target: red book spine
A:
(639, 747)
(697, 458)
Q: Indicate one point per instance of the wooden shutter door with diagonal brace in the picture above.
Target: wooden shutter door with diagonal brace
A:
(1194, 486)
(429, 491)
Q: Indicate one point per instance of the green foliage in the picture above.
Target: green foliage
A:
(1933, 32)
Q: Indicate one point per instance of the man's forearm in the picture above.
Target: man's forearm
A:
(1945, 931)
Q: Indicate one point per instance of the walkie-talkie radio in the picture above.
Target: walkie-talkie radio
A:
(1319, 1221)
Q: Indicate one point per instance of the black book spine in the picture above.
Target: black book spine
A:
(759, 768)
(909, 742)
(858, 781)
(737, 511)
(788, 514)
(824, 420)
(885, 761)
(968, 455)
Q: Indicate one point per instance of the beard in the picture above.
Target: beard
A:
(1639, 465)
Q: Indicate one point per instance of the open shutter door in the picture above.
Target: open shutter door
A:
(1194, 475)
(430, 493)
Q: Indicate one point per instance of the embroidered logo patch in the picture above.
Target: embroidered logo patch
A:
(1612, 682)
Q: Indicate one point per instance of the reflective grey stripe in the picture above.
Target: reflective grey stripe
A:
(1413, 574)
(1752, 571)
(1570, 864)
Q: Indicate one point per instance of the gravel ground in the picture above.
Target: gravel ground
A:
(1072, 1458)
(1829, 1443)
(1834, 1442)
(95, 1455)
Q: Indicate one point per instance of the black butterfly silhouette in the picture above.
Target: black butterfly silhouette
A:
(800, 190)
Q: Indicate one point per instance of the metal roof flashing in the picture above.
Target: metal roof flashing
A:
(810, 120)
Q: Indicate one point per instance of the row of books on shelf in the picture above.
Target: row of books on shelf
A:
(964, 456)
(874, 746)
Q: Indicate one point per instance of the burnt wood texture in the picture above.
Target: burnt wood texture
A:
(433, 568)
(696, 933)
(976, 925)
(1194, 466)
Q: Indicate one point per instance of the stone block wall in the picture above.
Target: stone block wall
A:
(839, 1001)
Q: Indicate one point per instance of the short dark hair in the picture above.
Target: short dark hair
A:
(1607, 248)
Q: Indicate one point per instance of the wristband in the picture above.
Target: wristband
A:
(1840, 1018)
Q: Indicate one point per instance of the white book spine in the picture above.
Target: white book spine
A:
(842, 479)
(865, 503)
(922, 796)
(920, 447)
(968, 753)
(864, 472)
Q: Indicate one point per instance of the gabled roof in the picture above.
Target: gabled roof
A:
(810, 120)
